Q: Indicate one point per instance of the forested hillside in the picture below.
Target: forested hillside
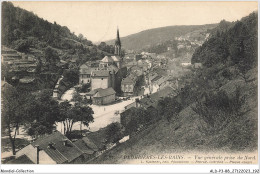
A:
(236, 44)
(54, 48)
(26, 32)
(217, 108)
(147, 38)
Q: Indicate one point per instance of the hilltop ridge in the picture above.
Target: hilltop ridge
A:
(147, 38)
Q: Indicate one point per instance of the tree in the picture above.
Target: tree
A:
(80, 101)
(169, 107)
(22, 45)
(71, 76)
(114, 132)
(13, 112)
(81, 37)
(51, 57)
(43, 113)
(134, 118)
(70, 114)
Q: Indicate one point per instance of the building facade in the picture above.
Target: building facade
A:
(104, 96)
(101, 79)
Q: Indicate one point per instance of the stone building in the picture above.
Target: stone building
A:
(101, 79)
(104, 96)
(84, 74)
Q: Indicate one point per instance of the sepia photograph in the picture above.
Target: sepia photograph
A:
(121, 82)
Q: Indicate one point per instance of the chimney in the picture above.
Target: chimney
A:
(51, 145)
(37, 156)
(65, 141)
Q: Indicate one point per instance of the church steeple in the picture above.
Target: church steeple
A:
(117, 44)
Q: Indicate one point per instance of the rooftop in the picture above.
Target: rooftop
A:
(152, 100)
(111, 68)
(58, 151)
(84, 147)
(162, 80)
(105, 92)
(27, 79)
(116, 58)
(21, 160)
(156, 78)
(93, 92)
(101, 73)
(107, 59)
(129, 80)
(90, 144)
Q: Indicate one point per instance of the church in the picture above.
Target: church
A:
(109, 73)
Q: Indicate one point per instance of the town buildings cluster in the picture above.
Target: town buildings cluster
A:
(149, 76)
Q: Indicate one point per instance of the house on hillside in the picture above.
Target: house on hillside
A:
(84, 74)
(128, 85)
(197, 65)
(104, 96)
(29, 83)
(148, 102)
(186, 64)
(52, 149)
(159, 84)
(131, 84)
(152, 100)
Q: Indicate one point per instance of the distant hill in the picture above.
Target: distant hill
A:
(147, 38)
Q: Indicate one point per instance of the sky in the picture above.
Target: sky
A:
(98, 21)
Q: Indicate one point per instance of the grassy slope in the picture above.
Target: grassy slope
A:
(183, 134)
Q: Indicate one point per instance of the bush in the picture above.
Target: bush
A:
(85, 87)
(22, 45)
(218, 109)
(169, 107)
(113, 133)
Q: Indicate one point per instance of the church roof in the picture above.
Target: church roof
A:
(107, 59)
(116, 58)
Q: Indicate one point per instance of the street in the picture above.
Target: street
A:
(103, 115)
